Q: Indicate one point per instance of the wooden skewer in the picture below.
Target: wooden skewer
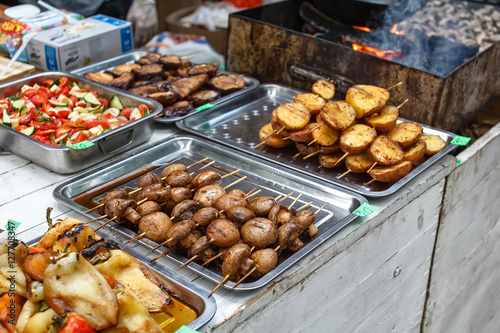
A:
(371, 181)
(285, 138)
(203, 167)
(159, 115)
(96, 219)
(161, 244)
(162, 254)
(220, 284)
(212, 259)
(200, 161)
(340, 159)
(320, 166)
(193, 258)
(260, 144)
(286, 197)
(305, 206)
(310, 155)
(297, 155)
(345, 173)
(251, 195)
(245, 276)
(277, 198)
(102, 225)
(320, 208)
(310, 143)
(187, 57)
(394, 86)
(251, 191)
(235, 182)
(295, 201)
(136, 238)
(404, 102)
(230, 174)
(373, 165)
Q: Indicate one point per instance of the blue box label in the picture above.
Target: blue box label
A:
(51, 58)
(127, 42)
(110, 20)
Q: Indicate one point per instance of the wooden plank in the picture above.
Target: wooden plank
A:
(355, 288)
(17, 70)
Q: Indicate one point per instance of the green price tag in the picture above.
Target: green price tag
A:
(365, 209)
(185, 329)
(205, 106)
(460, 140)
(11, 225)
(81, 145)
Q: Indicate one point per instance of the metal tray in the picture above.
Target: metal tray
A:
(131, 57)
(64, 160)
(80, 193)
(237, 124)
(182, 288)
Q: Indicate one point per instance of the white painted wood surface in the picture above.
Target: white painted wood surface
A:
(464, 293)
(347, 284)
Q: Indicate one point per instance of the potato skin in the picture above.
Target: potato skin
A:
(416, 152)
(434, 144)
(406, 134)
(385, 120)
(386, 151)
(357, 138)
(391, 173)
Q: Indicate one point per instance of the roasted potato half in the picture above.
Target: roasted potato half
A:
(391, 173)
(303, 134)
(313, 102)
(416, 152)
(324, 89)
(325, 136)
(359, 163)
(434, 144)
(406, 134)
(385, 119)
(292, 116)
(271, 139)
(357, 138)
(330, 160)
(339, 115)
(386, 151)
(367, 99)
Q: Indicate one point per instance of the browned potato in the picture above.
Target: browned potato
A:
(434, 144)
(386, 151)
(292, 116)
(367, 99)
(385, 119)
(329, 160)
(313, 102)
(273, 140)
(406, 134)
(305, 149)
(324, 88)
(325, 135)
(339, 115)
(335, 148)
(416, 152)
(359, 163)
(303, 134)
(357, 138)
(391, 173)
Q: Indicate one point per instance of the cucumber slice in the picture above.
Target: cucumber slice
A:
(18, 105)
(80, 109)
(78, 94)
(45, 120)
(54, 83)
(113, 111)
(135, 114)
(29, 131)
(61, 138)
(91, 99)
(23, 112)
(57, 103)
(6, 118)
(88, 115)
(115, 102)
(96, 109)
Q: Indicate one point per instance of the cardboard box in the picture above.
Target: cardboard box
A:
(217, 39)
(69, 47)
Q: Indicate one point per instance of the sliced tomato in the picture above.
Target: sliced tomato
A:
(46, 92)
(63, 114)
(62, 130)
(141, 108)
(126, 112)
(43, 139)
(63, 81)
(64, 91)
(39, 99)
(47, 83)
(82, 136)
(45, 132)
(27, 117)
(74, 99)
(21, 127)
(104, 102)
(76, 324)
(91, 123)
(28, 94)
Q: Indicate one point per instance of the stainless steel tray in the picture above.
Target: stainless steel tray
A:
(131, 57)
(64, 160)
(263, 175)
(182, 288)
(237, 124)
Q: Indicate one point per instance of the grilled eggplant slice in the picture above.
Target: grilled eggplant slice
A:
(185, 86)
(164, 98)
(149, 59)
(227, 83)
(144, 90)
(124, 81)
(201, 97)
(208, 69)
(178, 109)
(171, 62)
(148, 72)
(123, 68)
(104, 78)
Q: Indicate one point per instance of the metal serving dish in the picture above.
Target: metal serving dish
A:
(183, 289)
(131, 57)
(87, 189)
(65, 160)
(237, 124)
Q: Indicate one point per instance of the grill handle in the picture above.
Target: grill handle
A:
(117, 141)
(341, 82)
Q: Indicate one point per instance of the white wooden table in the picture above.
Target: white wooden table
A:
(371, 276)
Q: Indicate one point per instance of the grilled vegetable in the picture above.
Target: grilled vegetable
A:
(386, 151)
(434, 144)
(367, 99)
(339, 115)
(391, 173)
(385, 119)
(406, 134)
(324, 89)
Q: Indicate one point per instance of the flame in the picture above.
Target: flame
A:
(386, 54)
(394, 30)
(361, 28)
